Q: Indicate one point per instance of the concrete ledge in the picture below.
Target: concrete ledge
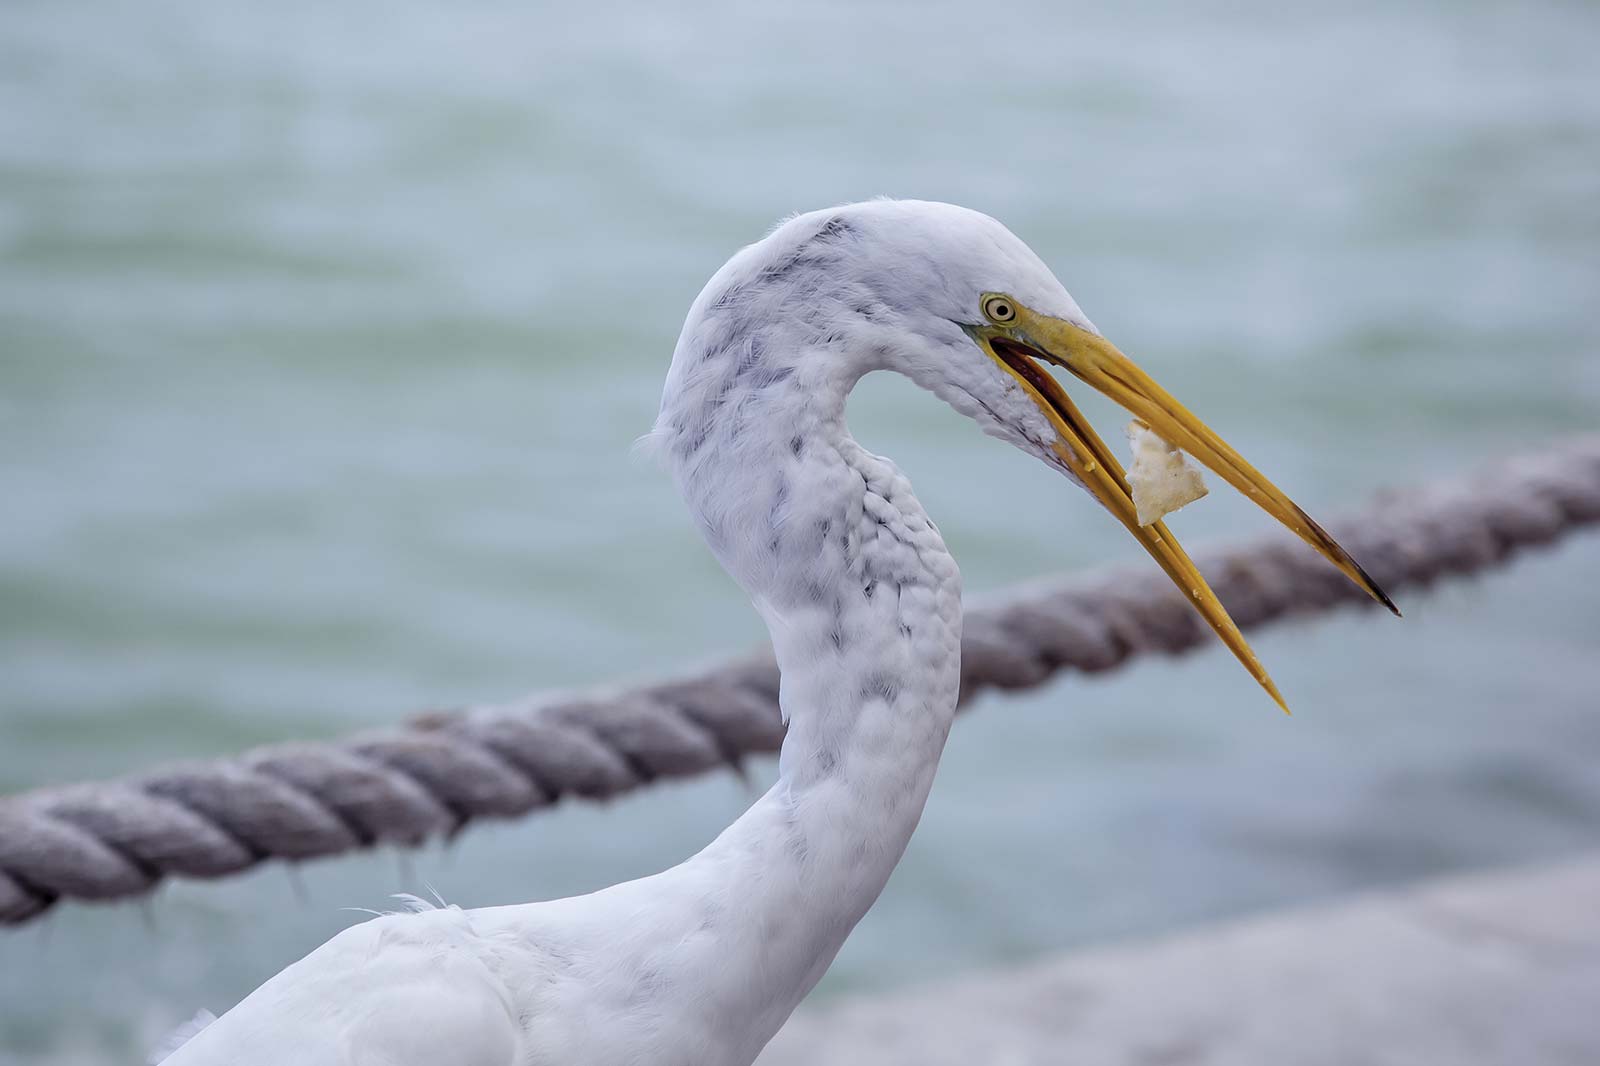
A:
(1500, 969)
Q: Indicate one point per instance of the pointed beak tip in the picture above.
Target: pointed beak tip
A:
(1373, 588)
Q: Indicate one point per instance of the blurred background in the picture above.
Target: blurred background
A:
(325, 331)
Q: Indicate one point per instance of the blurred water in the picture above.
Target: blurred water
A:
(325, 331)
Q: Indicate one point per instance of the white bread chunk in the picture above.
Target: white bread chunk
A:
(1161, 476)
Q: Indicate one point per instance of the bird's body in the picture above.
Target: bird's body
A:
(702, 963)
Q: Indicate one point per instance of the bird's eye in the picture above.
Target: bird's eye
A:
(999, 309)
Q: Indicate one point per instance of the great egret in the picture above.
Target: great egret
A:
(701, 964)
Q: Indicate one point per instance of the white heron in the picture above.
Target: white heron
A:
(701, 964)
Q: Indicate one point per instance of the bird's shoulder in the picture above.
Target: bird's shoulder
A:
(398, 989)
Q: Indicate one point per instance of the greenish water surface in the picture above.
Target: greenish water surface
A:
(325, 331)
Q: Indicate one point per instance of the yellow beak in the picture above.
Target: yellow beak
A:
(1018, 345)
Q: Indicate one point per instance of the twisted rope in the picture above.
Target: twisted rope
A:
(441, 771)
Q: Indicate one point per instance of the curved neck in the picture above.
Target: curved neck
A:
(863, 604)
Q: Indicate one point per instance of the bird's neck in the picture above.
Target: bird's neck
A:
(863, 604)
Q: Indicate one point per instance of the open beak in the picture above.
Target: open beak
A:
(1020, 346)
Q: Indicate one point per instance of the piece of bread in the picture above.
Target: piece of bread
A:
(1161, 477)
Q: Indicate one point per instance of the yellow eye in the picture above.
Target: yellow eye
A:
(999, 309)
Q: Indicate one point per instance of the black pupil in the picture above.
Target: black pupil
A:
(1002, 311)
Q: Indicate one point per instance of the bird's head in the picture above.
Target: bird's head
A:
(952, 299)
